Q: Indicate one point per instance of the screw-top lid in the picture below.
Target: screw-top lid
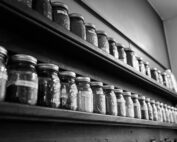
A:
(157, 103)
(142, 97)
(48, 66)
(100, 32)
(128, 49)
(96, 83)
(68, 73)
(119, 45)
(83, 79)
(146, 63)
(127, 93)
(59, 4)
(134, 95)
(161, 104)
(76, 15)
(90, 25)
(152, 101)
(118, 91)
(147, 99)
(23, 57)
(3, 50)
(159, 71)
(109, 87)
(154, 69)
(111, 39)
(139, 58)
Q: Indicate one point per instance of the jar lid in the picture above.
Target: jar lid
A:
(48, 66)
(134, 95)
(111, 39)
(152, 101)
(111, 87)
(99, 32)
(76, 15)
(68, 73)
(147, 99)
(128, 49)
(59, 4)
(90, 25)
(139, 58)
(161, 104)
(159, 71)
(127, 93)
(146, 63)
(158, 103)
(119, 45)
(154, 69)
(96, 83)
(142, 97)
(84, 79)
(23, 57)
(3, 50)
(118, 90)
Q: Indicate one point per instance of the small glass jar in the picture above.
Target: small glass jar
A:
(49, 85)
(159, 111)
(130, 57)
(171, 115)
(27, 3)
(77, 25)
(121, 108)
(85, 94)
(160, 79)
(129, 104)
(147, 68)
(103, 41)
(69, 91)
(22, 85)
(121, 51)
(60, 14)
(141, 65)
(99, 100)
(164, 119)
(167, 113)
(113, 47)
(150, 110)
(137, 106)
(169, 85)
(91, 35)
(154, 74)
(111, 101)
(144, 108)
(154, 110)
(43, 7)
(165, 81)
(136, 63)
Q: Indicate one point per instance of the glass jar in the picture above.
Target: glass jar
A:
(111, 101)
(147, 68)
(121, 108)
(99, 100)
(165, 81)
(159, 112)
(136, 63)
(3, 73)
(167, 113)
(164, 118)
(129, 105)
(60, 14)
(144, 108)
(154, 74)
(137, 107)
(77, 25)
(141, 65)
(154, 110)
(103, 41)
(121, 51)
(43, 7)
(27, 3)
(85, 94)
(49, 85)
(22, 85)
(130, 54)
(175, 109)
(113, 47)
(169, 82)
(171, 114)
(69, 91)
(150, 110)
(91, 35)
(160, 79)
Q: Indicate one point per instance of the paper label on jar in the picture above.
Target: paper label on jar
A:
(3, 76)
(61, 12)
(24, 83)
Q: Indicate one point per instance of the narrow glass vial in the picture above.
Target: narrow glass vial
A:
(150, 110)
(121, 51)
(27, 3)
(103, 41)
(129, 105)
(141, 65)
(113, 47)
(159, 111)
(148, 70)
(164, 118)
(144, 108)
(154, 109)
(154, 74)
(130, 54)
(137, 106)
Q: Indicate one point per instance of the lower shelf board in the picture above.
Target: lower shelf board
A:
(13, 111)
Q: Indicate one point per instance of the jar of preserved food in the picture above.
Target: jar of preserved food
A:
(159, 111)
(144, 108)
(137, 107)
(154, 74)
(121, 51)
(129, 105)
(147, 68)
(69, 92)
(27, 3)
(3, 73)
(103, 41)
(167, 113)
(163, 112)
(165, 81)
(43, 7)
(22, 85)
(150, 110)
(111, 101)
(113, 47)
(121, 108)
(85, 94)
(91, 35)
(99, 100)
(141, 65)
(77, 25)
(130, 57)
(49, 85)
(160, 79)
(154, 110)
(60, 14)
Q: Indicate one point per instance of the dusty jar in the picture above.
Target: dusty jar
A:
(137, 107)
(130, 54)
(121, 51)
(150, 110)
(154, 109)
(113, 47)
(147, 68)
(129, 105)
(144, 108)
(27, 3)
(154, 74)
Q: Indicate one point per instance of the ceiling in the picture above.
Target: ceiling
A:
(166, 9)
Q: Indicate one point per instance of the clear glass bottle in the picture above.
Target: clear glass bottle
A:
(159, 111)
(154, 109)
(137, 106)
(121, 51)
(129, 104)
(144, 108)
(113, 47)
(150, 110)
(148, 70)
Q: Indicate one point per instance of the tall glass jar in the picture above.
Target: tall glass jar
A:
(91, 35)
(111, 101)
(141, 65)
(154, 74)
(129, 105)
(130, 57)
(121, 51)
(77, 25)
(144, 108)
(103, 41)
(113, 47)
(154, 109)
(69, 91)
(121, 108)
(22, 85)
(27, 3)
(85, 94)
(60, 14)
(150, 110)
(171, 114)
(159, 111)
(148, 70)
(160, 79)
(167, 113)
(164, 118)
(165, 80)
(99, 100)
(137, 106)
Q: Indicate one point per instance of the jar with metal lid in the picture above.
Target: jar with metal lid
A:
(43, 7)
(159, 112)
(85, 94)
(164, 119)
(129, 104)
(3, 72)
(154, 73)
(141, 65)
(150, 110)
(122, 55)
(27, 3)
(147, 68)
(130, 54)
(91, 35)
(121, 108)
(49, 85)
(60, 14)
(144, 108)
(22, 85)
(167, 113)
(103, 41)
(77, 25)
(137, 107)
(68, 91)
(154, 110)
(113, 47)
(99, 100)
(111, 101)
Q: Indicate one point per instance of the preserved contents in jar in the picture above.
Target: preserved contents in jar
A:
(160, 79)
(121, 51)
(49, 85)
(68, 91)
(22, 85)
(111, 101)
(3, 73)
(77, 25)
(60, 14)
(129, 105)
(121, 108)
(99, 100)
(113, 47)
(159, 112)
(163, 112)
(130, 57)
(43, 7)
(103, 41)
(141, 65)
(85, 95)
(91, 35)
(154, 74)
(144, 108)
(150, 110)
(167, 113)
(137, 107)
(147, 68)
(27, 3)
(154, 110)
